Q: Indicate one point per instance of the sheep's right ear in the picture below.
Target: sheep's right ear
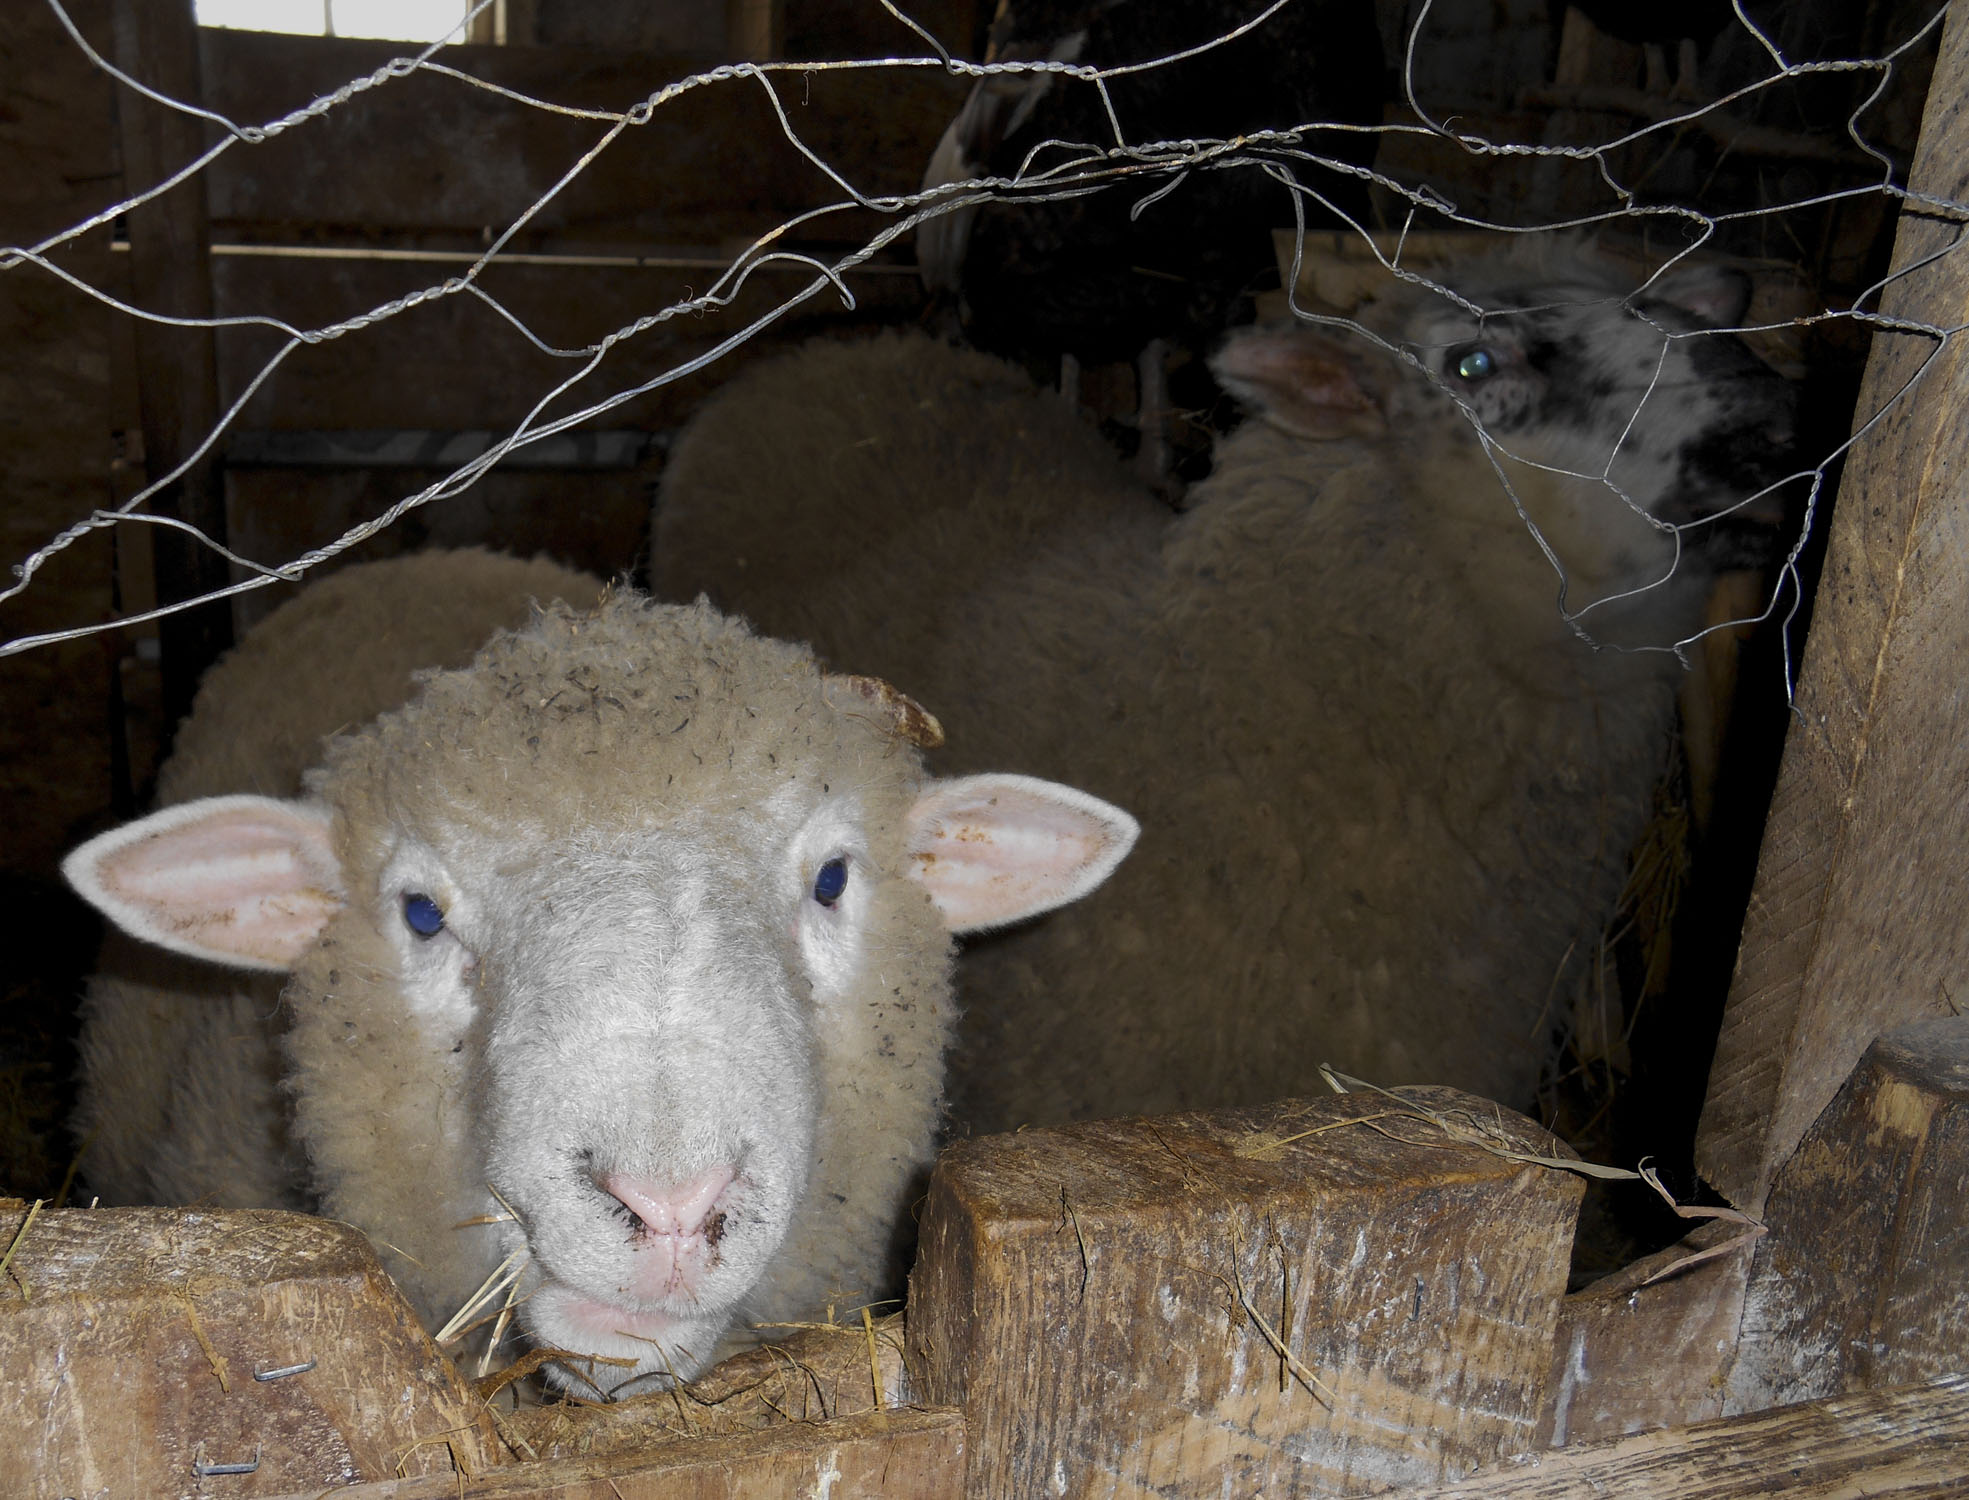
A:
(246, 881)
(1307, 382)
(997, 849)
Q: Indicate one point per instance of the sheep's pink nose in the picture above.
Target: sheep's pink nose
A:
(668, 1208)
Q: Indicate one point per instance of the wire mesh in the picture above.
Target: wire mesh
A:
(1298, 156)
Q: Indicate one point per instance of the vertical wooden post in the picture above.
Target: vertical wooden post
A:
(755, 30)
(1863, 1281)
(177, 368)
(1859, 920)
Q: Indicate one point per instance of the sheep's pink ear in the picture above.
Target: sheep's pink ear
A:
(1306, 382)
(996, 849)
(246, 881)
(1719, 295)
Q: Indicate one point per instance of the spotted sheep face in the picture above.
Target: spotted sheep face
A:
(1642, 446)
(619, 960)
(1638, 393)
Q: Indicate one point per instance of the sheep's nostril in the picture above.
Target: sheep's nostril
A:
(683, 1209)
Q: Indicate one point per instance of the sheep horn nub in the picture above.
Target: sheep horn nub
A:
(902, 715)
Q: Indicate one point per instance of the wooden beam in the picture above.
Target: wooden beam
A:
(1910, 1443)
(911, 1454)
(1631, 1356)
(177, 368)
(1859, 920)
(1313, 1297)
(711, 168)
(1863, 1280)
(135, 1342)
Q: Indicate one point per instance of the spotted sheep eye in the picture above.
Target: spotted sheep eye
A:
(830, 881)
(1476, 364)
(422, 915)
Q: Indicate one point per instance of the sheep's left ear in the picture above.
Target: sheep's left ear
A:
(245, 881)
(1719, 295)
(1307, 382)
(997, 849)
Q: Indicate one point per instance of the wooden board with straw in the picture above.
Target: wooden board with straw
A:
(1312, 1297)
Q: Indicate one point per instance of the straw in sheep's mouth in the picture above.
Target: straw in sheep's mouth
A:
(505, 1277)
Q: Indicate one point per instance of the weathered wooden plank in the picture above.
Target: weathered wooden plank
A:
(905, 1454)
(596, 521)
(1860, 916)
(1909, 1443)
(1312, 1297)
(455, 363)
(177, 369)
(710, 167)
(1630, 1358)
(814, 1374)
(1864, 1279)
(130, 1340)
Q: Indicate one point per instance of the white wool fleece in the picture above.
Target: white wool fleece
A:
(1389, 792)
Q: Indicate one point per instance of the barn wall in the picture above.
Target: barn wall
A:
(57, 164)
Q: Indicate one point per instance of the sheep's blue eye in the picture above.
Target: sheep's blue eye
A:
(422, 915)
(831, 881)
(1476, 364)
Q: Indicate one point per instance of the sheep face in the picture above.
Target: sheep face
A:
(638, 1016)
(619, 959)
(1640, 395)
(1644, 446)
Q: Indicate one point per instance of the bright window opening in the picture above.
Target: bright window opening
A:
(399, 20)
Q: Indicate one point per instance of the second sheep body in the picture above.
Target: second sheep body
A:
(1387, 790)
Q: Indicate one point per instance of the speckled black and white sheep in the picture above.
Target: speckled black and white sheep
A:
(629, 939)
(1388, 790)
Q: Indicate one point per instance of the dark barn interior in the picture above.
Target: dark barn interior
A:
(323, 382)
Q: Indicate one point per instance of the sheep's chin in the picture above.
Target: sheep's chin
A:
(661, 1344)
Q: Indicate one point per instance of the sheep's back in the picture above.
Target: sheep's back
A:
(1382, 821)
(854, 495)
(343, 651)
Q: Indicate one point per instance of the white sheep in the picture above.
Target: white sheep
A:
(1389, 790)
(629, 940)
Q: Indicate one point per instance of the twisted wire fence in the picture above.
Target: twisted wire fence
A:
(1295, 155)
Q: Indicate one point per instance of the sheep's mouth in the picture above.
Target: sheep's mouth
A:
(602, 1319)
(610, 1347)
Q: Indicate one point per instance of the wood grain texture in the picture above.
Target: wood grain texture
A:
(58, 163)
(1909, 1443)
(911, 1454)
(177, 367)
(1863, 1280)
(455, 364)
(1860, 916)
(1631, 1358)
(129, 1338)
(1092, 1296)
(711, 166)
